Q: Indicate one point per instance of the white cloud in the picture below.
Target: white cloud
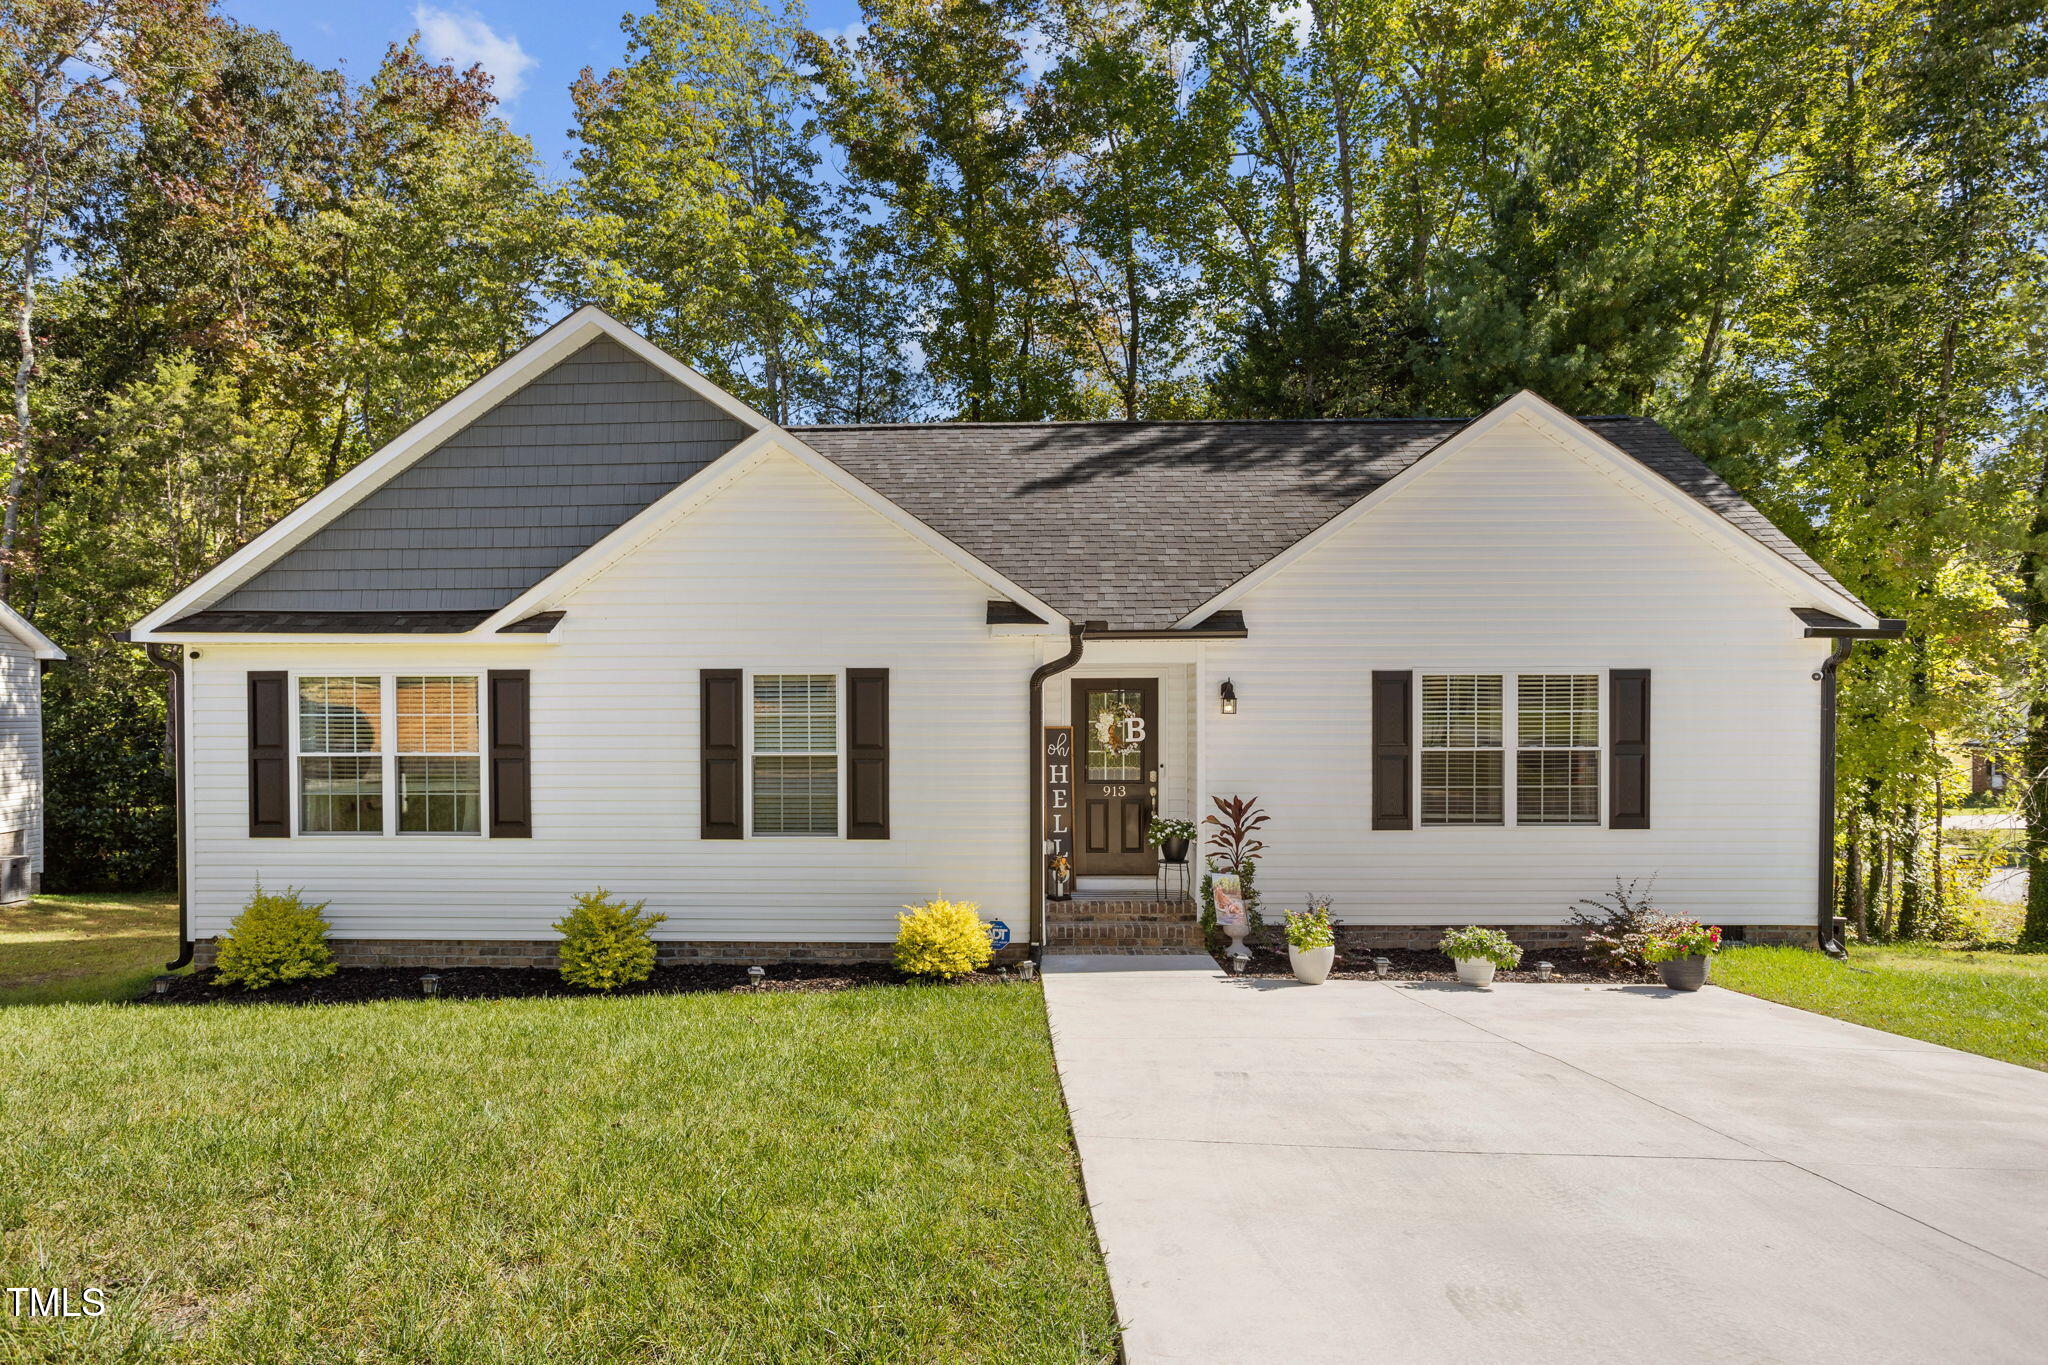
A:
(461, 36)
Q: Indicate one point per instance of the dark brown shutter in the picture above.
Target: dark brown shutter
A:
(719, 753)
(270, 760)
(1392, 749)
(1628, 747)
(511, 754)
(867, 753)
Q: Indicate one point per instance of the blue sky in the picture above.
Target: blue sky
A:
(533, 47)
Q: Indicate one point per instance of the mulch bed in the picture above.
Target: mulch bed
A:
(1422, 964)
(354, 985)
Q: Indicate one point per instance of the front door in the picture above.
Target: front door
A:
(1116, 728)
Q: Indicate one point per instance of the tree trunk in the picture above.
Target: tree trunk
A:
(2033, 589)
(1911, 893)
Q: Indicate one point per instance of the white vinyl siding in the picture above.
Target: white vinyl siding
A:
(21, 750)
(1519, 556)
(780, 572)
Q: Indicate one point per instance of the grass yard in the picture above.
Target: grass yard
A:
(89, 947)
(1995, 1003)
(881, 1174)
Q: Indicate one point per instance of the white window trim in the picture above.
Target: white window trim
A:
(747, 755)
(387, 708)
(1511, 720)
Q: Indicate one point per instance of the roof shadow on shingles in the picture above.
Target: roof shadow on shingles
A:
(1138, 523)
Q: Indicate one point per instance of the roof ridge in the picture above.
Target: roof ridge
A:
(1142, 422)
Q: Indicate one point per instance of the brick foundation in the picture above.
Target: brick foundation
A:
(455, 952)
(1355, 938)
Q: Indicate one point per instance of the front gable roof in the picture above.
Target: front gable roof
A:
(570, 453)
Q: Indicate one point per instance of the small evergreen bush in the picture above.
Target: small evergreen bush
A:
(606, 943)
(278, 937)
(942, 938)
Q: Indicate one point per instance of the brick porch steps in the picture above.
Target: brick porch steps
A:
(1121, 926)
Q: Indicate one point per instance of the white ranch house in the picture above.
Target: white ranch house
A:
(596, 622)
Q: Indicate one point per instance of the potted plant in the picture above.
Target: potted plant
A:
(1312, 941)
(1680, 948)
(1171, 838)
(1228, 886)
(1479, 952)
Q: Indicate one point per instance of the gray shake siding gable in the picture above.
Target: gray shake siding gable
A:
(541, 477)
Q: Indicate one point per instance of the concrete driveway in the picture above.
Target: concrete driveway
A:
(1413, 1172)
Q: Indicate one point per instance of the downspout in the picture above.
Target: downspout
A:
(1829, 685)
(162, 657)
(1035, 884)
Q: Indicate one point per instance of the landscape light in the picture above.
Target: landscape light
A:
(1543, 971)
(1027, 970)
(430, 984)
(756, 975)
(162, 985)
(1380, 967)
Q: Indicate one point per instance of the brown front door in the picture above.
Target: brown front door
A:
(1116, 730)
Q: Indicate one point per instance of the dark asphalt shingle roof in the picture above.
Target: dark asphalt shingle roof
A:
(1138, 523)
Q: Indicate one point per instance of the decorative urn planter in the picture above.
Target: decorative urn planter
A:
(1475, 971)
(1173, 850)
(1311, 965)
(1684, 973)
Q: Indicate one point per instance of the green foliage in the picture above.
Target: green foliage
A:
(1313, 926)
(942, 938)
(1618, 926)
(1486, 945)
(278, 937)
(1672, 940)
(1161, 829)
(606, 943)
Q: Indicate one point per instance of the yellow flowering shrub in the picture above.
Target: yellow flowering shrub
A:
(942, 938)
(606, 943)
(278, 937)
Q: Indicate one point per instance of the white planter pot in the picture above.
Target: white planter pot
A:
(1311, 965)
(1475, 971)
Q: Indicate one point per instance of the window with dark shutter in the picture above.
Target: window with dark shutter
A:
(867, 753)
(1628, 742)
(510, 727)
(270, 773)
(1392, 749)
(719, 753)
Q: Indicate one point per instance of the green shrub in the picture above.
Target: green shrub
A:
(942, 938)
(276, 938)
(606, 943)
(1489, 945)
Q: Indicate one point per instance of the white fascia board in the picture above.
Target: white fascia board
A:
(37, 643)
(353, 639)
(1578, 439)
(706, 484)
(552, 346)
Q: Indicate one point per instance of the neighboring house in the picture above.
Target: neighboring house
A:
(24, 651)
(596, 622)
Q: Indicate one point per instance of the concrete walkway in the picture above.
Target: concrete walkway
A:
(1402, 1173)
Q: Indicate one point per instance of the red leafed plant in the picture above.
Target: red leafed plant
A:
(1237, 821)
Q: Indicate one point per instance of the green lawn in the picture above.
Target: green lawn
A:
(1995, 1003)
(101, 947)
(883, 1174)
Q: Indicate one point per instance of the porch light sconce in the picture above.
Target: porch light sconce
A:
(430, 984)
(756, 975)
(1229, 698)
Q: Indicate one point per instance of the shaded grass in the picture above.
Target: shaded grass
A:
(86, 947)
(877, 1174)
(1993, 1002)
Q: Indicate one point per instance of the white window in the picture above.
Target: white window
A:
(796, 753)
(341, 763)
(1557, 759)
(1462, 756)
(440, 782)
(360, 738)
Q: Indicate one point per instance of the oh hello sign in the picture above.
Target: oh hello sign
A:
(1059, 791)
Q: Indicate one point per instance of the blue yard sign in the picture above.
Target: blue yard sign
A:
(998, 934)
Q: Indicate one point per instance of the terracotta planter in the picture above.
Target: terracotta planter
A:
(1311, 965)
(1173, 850)
(1475, 971)
(1684, 974)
